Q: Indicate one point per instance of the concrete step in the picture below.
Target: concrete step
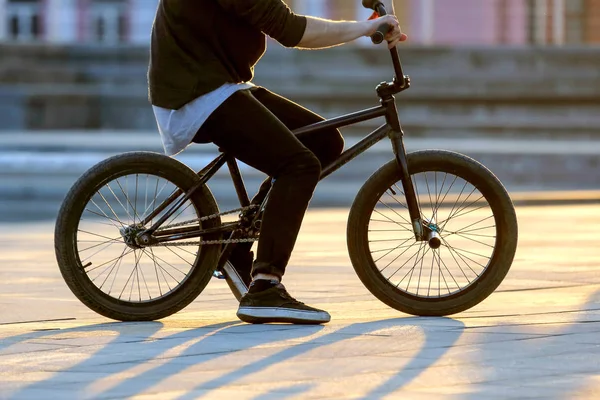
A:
(41, 167)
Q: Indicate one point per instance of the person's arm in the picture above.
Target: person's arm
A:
(272, 17)
(323, 33)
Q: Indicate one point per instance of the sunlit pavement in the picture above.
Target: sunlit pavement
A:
(538, 336)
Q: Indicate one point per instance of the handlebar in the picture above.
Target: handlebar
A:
(379, 36)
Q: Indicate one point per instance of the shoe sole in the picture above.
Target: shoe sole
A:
(262, 315)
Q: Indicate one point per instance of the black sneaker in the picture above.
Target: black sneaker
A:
(276, 305)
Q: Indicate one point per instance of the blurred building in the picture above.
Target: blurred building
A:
(452, 22)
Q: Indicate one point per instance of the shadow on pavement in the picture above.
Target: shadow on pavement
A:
(208, 343)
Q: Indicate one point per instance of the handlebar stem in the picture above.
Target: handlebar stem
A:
(400, 80)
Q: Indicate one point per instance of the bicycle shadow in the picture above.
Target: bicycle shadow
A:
(433, 348)
(207, 343)
(108, 361)
(139, 335)
(546, 363)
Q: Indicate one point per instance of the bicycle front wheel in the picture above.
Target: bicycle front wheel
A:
(463, 205)
(95, 246)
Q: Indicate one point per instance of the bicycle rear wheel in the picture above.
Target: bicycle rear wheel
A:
(463, 204)
(104, 210)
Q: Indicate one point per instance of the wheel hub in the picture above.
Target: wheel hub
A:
(130, 236)
(432, 234)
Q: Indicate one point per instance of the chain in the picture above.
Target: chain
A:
(206, 218)
(207, 242)
(209, 217)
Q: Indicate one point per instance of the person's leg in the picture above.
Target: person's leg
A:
(245, 128)
(327, 145)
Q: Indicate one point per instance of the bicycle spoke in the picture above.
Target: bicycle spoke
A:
(102, 215)
(109, 207)
(181, 258)
(406, 262)
(386, 230)
(389, 240)
(438, 194)
(118, 201)
(117, 261)
(395, 248)
(473, 240)
(170, 265)
(464, 231)
(94, 234)
(401, 204)
(396, 222)
(453, 250)
(393, 195)
(137, 274)
(91, 221)
(420, 274)
(162, 270)
(128, 279)
(389, 221)
(430, 199)
(128, 201)
(144, 279)
(465, 213)
(165, 270)
(156, 194)
(461, 208)
(173, 219)
(472, 234)
(145, 198)
(412, 270)
(99, 250)
(450, 273)
(466, 251)
(474, 223)
(135, 196)
(397, 257)
(186, 251)
(457, 199)
(99, 244)
(156, 271)
(416, 186)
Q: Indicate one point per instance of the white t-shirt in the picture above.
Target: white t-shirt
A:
(178, 127)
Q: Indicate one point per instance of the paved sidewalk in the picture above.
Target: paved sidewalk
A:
(536, 337)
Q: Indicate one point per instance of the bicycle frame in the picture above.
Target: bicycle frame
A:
(392, 129)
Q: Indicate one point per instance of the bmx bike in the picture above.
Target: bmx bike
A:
(430, 233)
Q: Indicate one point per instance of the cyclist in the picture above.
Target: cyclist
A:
(202, 58)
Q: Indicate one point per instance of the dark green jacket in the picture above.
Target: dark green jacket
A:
(198, 45)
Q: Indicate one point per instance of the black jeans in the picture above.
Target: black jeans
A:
(255, 126)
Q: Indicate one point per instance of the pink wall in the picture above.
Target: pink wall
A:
(469, 22)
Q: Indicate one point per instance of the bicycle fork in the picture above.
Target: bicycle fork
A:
(396, 137)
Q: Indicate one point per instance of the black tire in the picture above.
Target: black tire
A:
(370, 211)
(80, 213)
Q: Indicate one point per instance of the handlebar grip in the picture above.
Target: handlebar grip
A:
(378, 36)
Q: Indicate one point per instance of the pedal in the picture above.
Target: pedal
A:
(219, 275)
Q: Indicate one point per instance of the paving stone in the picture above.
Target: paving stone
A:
(536, 337)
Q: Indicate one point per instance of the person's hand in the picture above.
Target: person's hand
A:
(394, 36)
